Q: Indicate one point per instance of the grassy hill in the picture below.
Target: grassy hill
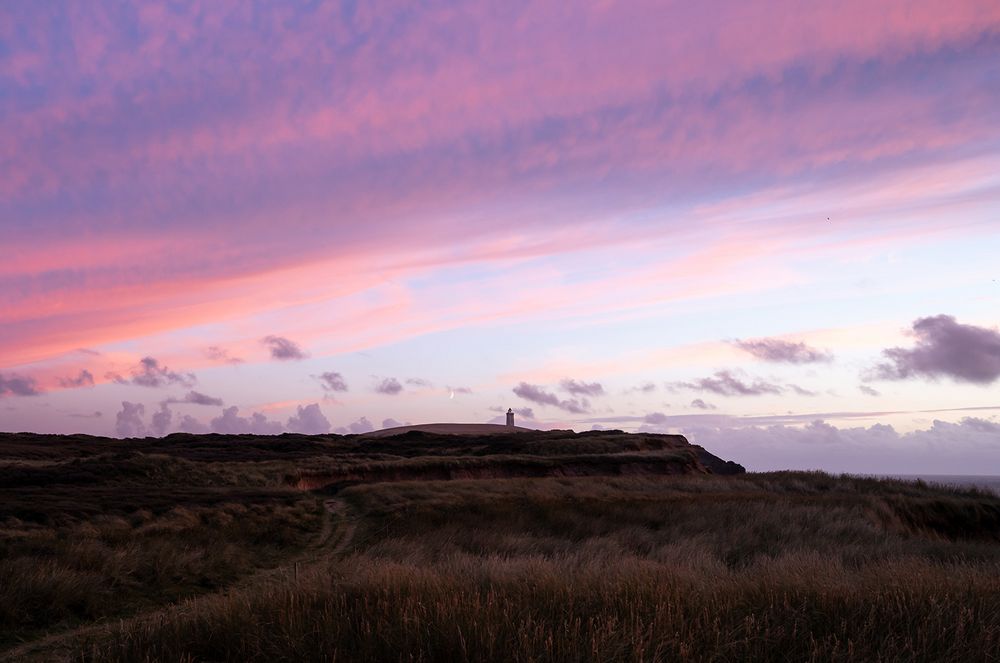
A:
(545, 546)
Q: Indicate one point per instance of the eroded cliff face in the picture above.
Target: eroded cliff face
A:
(432, 457)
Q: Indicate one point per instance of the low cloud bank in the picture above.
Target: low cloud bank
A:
(131, 422)
(309, 420)
(362, 425)
(971, 446)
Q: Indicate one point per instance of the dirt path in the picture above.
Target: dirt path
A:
(340, 537)
(330, 542)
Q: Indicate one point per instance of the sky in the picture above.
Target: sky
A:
(771, 226)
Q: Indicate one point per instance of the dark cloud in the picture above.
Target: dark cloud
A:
(865, 389)
(84, 379)
(18, 385)
(331, 381)
(283, 349)
(309, 420)
(230, 423)
(776, 350)
(419, 382)
(196, 398)
(149, 373)
(725, 383)
(129, 422)
(388, 386)
(215, 353)
(701, 405)
(536, 394)
(945, 348)
(577, 388)
(390, 423)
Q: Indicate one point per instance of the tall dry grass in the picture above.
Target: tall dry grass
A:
(773, 567)
(54, 577)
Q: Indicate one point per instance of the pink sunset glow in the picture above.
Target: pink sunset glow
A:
(486, 195)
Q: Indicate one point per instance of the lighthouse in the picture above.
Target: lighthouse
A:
(510, 417)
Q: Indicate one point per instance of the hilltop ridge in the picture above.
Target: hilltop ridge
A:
(450, 429)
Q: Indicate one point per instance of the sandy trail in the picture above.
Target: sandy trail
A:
(330, 542)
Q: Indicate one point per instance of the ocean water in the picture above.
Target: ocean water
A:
(987, 482)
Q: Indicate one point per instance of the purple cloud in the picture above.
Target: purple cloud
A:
(230, 423)
(390, 423)
(724, 383)
(129, 422)
(524, 412)
(161, 420)
(776, 350)
(655, 418)
(191, 425)
(944, 348)
(97, 414)
(84, 379)
(362, 425)
(536, 394)
(944, 448)
(215, 353)
(149, 373)
(388, 386)
(196, 398)
(309, 420)
(331, 381)
(419, 382)
(17, 385)
(865, 389)
(701, 405)
(283, 349)
(582, 388)
(645, 388)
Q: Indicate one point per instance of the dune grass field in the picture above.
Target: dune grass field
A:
(571, 547)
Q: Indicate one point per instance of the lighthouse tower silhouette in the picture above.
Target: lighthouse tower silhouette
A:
(510, 417)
